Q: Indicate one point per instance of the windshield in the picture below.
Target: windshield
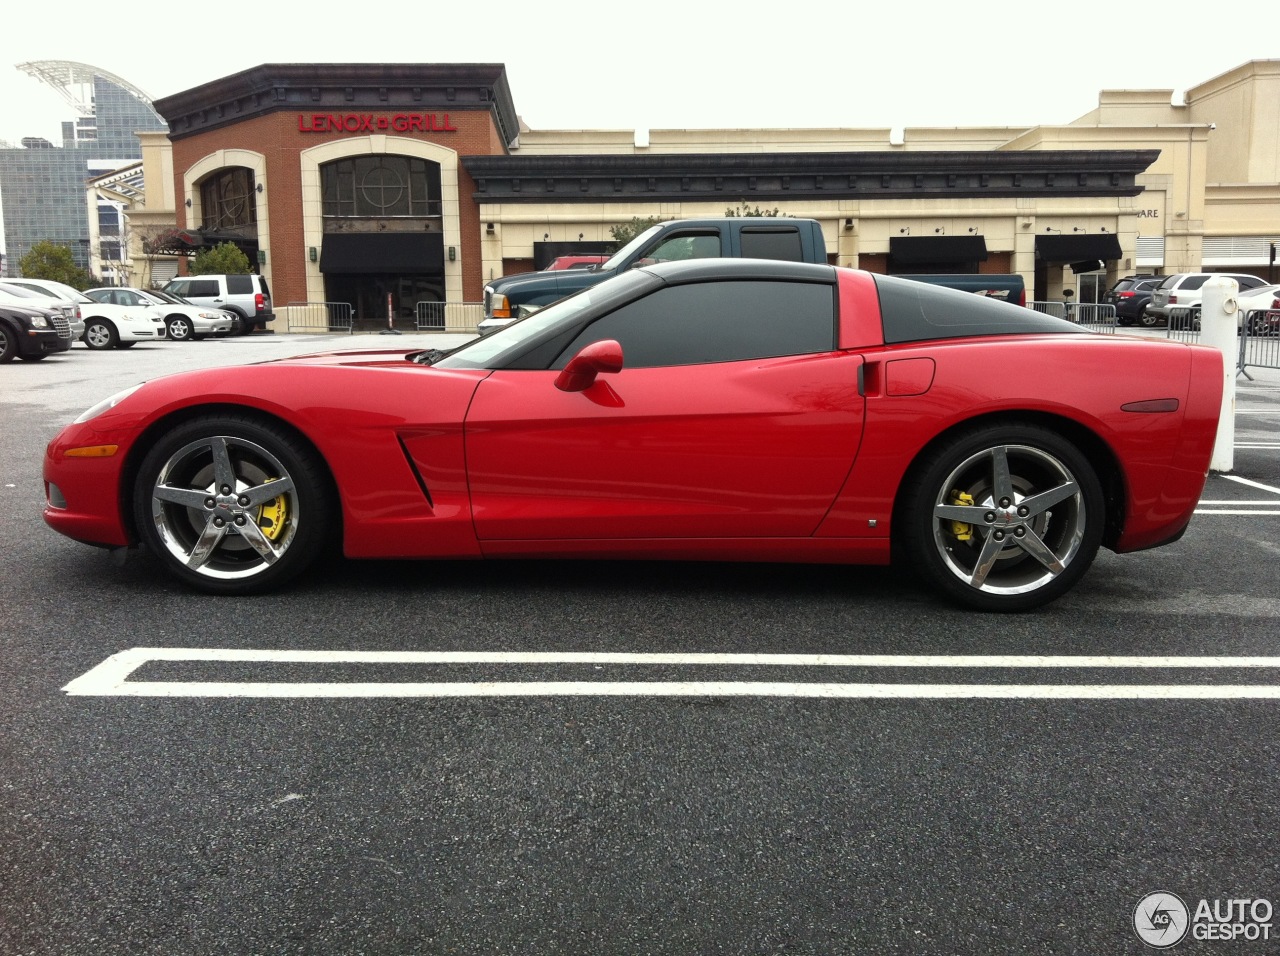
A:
(157, 296)
(19, 292)
(625, 252)
(489, 350)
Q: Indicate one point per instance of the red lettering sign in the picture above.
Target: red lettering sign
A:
(369, 123)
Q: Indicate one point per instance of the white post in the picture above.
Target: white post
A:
(1218, 323)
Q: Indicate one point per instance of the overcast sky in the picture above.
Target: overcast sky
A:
(676, 65)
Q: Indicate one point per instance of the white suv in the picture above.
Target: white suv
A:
(1185, 290)
(245, 296)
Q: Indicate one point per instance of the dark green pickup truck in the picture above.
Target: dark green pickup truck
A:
(748, 237)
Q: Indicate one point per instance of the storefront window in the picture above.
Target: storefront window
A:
(226, 200)
(381, 186)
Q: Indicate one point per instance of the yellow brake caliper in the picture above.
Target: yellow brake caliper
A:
(960, 530)
(272, 516)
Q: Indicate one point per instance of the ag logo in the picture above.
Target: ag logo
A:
(1160, 919)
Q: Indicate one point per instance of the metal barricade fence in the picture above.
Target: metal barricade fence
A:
(1183, 324)
(319, 317)
(1259, 341)
(448, 316)
(1095, 316)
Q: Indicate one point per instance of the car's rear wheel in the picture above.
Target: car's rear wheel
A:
(1003, 518)
(100, 334)
(1149, 320)
(180, 329)
(233, 505)
(127, 345)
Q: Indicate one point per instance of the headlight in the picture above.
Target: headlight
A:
(213, 316)
(108, 403)
(39, 322)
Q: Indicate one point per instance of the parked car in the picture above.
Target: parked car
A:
(13, 294)
(182, 320)
(575, 262)
(1129, 296)
(715, 409)
(32, 333)
(247, 297)
(57, 290)
(1259, 310)
(1185, 290)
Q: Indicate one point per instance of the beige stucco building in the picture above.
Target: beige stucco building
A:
(1138, 184)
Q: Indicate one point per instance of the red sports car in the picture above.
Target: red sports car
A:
(712, 409)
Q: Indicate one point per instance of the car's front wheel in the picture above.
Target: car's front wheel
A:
(1149, 320)
(180, 329)
(233, 505)
(1003, 518)
(8, 345)
(100, 334)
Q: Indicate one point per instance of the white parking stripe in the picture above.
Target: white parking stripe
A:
(111, 677)
(1242, 511)
(1253, 484)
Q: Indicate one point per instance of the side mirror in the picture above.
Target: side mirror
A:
(580, 374)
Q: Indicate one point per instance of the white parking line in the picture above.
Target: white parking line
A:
(1253, 484)
(111, 677)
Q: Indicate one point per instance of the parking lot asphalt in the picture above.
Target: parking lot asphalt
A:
(326, 813)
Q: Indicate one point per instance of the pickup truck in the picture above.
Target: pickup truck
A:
(747, 237)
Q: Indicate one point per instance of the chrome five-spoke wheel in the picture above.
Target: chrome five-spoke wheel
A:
(1006, 518)
(231, 506)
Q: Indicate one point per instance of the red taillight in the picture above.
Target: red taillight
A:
(1275, 303)
(1022, 298)
(260, 302)
(1126, 295)
(1172, 299)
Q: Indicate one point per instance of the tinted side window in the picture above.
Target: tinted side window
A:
(179, 287)
(1170, 281)
(1249, 282)
(240, 285)
(717, 322)
(202, 287)
(688, 246)
(1194, 282)
(772, 244)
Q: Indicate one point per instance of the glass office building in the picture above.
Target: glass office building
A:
(43, 185)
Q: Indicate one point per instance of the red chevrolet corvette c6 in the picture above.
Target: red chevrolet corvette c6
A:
(713, 409)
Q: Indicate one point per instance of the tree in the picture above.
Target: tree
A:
(48, 260)
(745, 210)
(624, 232)
(223, 259)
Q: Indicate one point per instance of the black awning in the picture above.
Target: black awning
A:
(398, 253)
(1088, 265)
(922, 250)
(1104, 246)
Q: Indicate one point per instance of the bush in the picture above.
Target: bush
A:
(223, 259)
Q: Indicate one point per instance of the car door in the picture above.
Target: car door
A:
(733, 416)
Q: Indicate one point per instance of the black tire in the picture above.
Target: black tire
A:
(8, 344)
(953, 523)
(126, 345)
(33, 357)
(100, 334)
(1149, 320)
(242, 324)
(265, 538)
(179, 328)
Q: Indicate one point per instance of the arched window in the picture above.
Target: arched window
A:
(380, 187)
(227, 201)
